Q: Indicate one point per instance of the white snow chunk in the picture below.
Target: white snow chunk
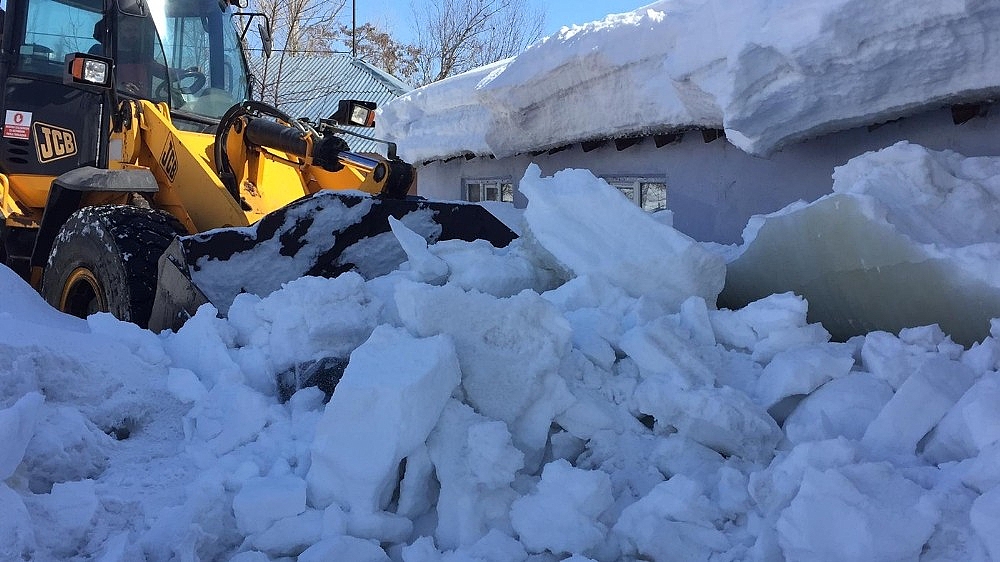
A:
(985, 517)
(423, 265)
(856, 513)
(646, 258)
(509, 350)
(801, 371)
(674, 521)
(344, 548)
(843, 407)
(475, 463)
(389, 399)
(918, 406)
(263, 500)
(17, 534)
(17, 426)
(723, 419)
(970, 426)
(71, 507)
(290, 536)
(561, 515)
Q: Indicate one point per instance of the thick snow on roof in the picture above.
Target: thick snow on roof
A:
(767, 72)
(531, 403)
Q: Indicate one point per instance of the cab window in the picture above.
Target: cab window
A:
(53, 30)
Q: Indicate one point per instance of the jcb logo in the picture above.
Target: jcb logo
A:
(168, 160)
(53, 143)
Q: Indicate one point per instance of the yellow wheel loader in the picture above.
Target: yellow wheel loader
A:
(139, 177)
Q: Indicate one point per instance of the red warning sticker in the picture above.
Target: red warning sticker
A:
(17, 124)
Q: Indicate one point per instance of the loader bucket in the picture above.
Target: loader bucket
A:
(324, 234)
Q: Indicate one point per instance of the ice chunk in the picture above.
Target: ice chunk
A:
(843, 407)
(423, 265)
(310, 318)
(386, 404)
(767, 326)
(970, 426)
(800, 371)
(663, 347)
(509, 350)
(232, 414)
(291, 535)
(344, 548)
(918, 406)
(985, 516)
(773, 488)
(475, 464)
(263, 500)
(648, 258)
(17, 426)
(71, 507)
(722, 419)
(674, 521)
(561, 515)
(17, 534)
(876, 256)
(856, 513)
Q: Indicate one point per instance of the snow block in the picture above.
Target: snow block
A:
(263, 500)
(475, 463)
(648, 258)
(843, 407)
(856, 513)
(970, 426)
(674, 521)
(985, 516)
(17, 426)
(561, 515)
(723, 419)
(918, 406)
(390, 397)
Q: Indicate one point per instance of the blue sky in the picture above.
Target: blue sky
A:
(397, 14)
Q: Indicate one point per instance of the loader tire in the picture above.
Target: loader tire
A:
(105, 260)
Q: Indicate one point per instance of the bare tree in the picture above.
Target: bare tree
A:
(378, 48)
(457, 35)
(298, 27)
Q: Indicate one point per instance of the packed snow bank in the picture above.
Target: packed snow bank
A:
(909, 237)
(768, 73)
(519, 404)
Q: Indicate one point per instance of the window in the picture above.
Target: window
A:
(648, 192)
(488, 189)
(55, 29)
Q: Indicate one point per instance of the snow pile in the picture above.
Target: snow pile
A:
(767, 72)
(902, 213)
(541, 407)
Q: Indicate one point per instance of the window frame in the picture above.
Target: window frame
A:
(637, 182)
(485, 183)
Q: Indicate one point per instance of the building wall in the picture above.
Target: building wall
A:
(713, 188)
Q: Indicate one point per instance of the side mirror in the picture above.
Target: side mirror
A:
(88, 70)
(133, 7)
(265, 39)
(355, 113)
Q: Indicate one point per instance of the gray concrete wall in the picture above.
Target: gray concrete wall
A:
(714, 188)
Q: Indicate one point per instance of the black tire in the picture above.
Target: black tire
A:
(105, 260)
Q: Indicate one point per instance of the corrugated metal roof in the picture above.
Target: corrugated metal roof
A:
(312, 86)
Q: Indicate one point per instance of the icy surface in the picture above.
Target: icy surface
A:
(767, 72)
